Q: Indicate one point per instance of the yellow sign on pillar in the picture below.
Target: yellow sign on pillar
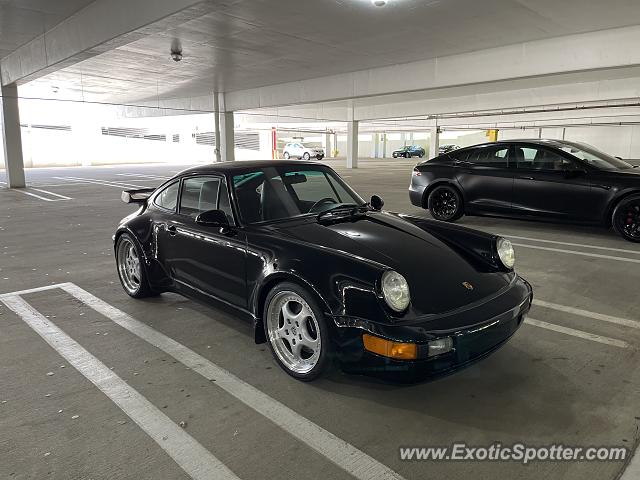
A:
(492, 135)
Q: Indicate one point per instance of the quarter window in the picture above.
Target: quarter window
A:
(168, 198)
(201, 194)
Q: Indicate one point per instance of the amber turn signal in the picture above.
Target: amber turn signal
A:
(387, 348)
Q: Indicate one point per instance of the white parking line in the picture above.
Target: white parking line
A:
(142, 175)
(342, 453)
(577, 333)
(596, 247)
(584, 254)
(586, 313)
(51, 193)
(192, 457)
(105, 183)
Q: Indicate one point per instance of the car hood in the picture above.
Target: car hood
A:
(435, 272)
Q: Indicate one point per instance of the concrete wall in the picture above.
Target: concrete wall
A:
(621, 141)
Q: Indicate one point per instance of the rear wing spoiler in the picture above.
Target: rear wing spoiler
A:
(136, 196)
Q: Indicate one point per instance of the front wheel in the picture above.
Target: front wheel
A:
(297, 332)
(445, 203)
(133, 275)
(286, 155)
(626, 218)
(306, 156)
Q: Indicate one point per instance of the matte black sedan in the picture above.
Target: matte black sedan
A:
(322, 274)
(543, 179)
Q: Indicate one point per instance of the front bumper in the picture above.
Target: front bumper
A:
(470, 344)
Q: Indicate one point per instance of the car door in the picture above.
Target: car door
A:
(210, 260)
(485, 178)
(550, 185)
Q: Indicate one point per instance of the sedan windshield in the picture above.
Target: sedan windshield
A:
(274, 193)
(594, 157)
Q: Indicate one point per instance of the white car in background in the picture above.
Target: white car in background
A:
(298, 150)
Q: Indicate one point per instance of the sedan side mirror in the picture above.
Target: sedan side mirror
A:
(376, 203)
(213, 218)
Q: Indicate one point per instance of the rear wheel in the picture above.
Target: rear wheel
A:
(297, 332)
(445, 203)
(626, 218)
(131, 270)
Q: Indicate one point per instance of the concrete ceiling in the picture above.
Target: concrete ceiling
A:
(253, 43)
(23, 20)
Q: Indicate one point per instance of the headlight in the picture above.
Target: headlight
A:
(505, 252)
(395, 290)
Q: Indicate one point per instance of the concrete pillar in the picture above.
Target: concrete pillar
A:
(227, 140)
(384, 144)
(327, 145)
(12, 138)
(335, 144)
(434, 142)
(376, 145)
(216, 116)
(352, 144)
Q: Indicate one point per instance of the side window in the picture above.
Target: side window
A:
(199, 194)
(540, 159)
(495, 157)
(168, 198)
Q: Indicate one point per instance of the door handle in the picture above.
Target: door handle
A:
(172, 230)
(526, 178)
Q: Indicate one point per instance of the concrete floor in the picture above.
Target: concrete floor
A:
(543, 387)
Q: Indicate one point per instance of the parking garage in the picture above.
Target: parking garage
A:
(96, 384)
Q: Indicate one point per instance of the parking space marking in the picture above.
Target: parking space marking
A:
(192, 457)
(52, 193)
(106, 183)
(569, 244)
(340, 452)
(142, 175)
(574, 252)
(586, 313)
(577, 333)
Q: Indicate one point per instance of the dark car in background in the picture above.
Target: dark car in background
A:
(322, 274)
(543, 179)
(409, 152)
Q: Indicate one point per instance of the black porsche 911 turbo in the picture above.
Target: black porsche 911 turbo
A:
(552, 180)
(323, 275)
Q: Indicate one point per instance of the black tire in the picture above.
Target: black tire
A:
(421, 155)
(142, 289)
(275, 296)
(306, 156)
(626, 218)
(445, 203)
(407, 155)
(286, 155)
(395, 155)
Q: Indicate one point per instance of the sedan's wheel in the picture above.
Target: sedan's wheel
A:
(445, 203)
(626, 218)
(395, 155)
(131, 271)
(306, 156)
(286, 155)
(297, 332)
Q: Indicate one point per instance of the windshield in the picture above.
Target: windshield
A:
(274, 193)
(594, 157)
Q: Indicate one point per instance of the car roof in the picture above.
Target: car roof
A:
(536, 141)
(240, 166)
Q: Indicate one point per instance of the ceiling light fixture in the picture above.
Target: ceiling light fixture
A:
(379, 3)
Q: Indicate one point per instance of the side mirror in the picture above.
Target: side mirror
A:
(213, 218)
(376, 203)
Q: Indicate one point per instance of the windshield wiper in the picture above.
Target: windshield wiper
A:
(343, 210)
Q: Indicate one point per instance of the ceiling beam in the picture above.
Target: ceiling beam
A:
(99, 27)
(586, 52)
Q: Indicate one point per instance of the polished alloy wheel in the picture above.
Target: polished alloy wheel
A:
(129, 266)
(294, 332)
(444, 204)
(630, 220)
